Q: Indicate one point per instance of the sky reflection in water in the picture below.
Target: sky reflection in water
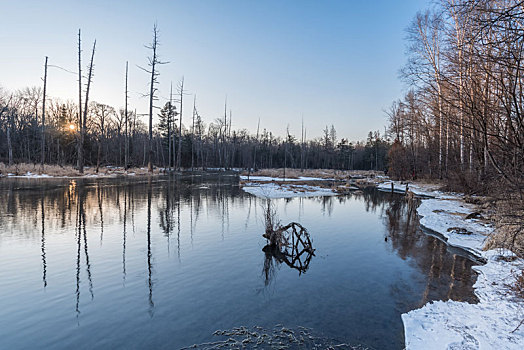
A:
(163, 263)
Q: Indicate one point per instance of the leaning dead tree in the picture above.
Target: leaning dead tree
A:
(80, 140)
(82, 118)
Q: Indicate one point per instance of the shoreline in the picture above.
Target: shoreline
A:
(495, 321)
(104, 172)
(491, 323)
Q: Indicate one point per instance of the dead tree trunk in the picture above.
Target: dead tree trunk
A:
(151, 98)
(170, 123)
(9, 140)
(43, 117)
(153, 62)
(126, 138)
(302, 147)
(80, 140)
(84, 118)
(179, 162)
(193, 135)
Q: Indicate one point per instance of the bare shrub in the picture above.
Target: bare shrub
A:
(510, 227)
(518, 287)
(319, 173)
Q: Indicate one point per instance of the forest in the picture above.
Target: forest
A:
(412, 230)
(36, 128)
(460, 121)
(462, 118)
(110, 141)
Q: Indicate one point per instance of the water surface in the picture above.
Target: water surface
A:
(164, 262)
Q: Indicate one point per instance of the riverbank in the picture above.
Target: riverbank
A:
(34, 171)
(459, 220)
(495, 321)
(26, 170)
(276, 187)
(277, 183)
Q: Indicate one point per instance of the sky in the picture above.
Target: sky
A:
(326, 62)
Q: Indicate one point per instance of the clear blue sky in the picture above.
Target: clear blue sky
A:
(334, 62)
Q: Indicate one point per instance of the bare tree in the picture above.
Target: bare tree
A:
(425, 63)
(43, 117)
(126, 136)
(193, 134)
(80, 140)
(84, 118)
(153, 62)
(102, 114)
(181, 93)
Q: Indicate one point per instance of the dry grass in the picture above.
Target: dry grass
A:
(510, 227)
(68, 171)
(518, 287)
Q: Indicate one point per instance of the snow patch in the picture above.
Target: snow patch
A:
(269, 178)
(490, 324)
(440, 215)
(493, 322)
(30, 175)
(273, 190)
(424, 190)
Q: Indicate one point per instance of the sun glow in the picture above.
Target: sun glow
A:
(71, 127)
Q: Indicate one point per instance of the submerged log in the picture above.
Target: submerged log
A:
(286, 236)
(289, 244)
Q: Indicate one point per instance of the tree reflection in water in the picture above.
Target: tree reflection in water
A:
(93, 207)
(443, 265)
(81, 237)
(440, 264)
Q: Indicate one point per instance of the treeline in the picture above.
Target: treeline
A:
(202, 145)
(95, 134)
(462, 119)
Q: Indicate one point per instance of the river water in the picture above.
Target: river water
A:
(165, 262)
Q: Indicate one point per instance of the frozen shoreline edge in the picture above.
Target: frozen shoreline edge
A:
(493, 322)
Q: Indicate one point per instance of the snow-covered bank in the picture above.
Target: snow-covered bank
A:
(276, 187)
(30, 175)
(493, 322)
(35, 171)
(273, 190)
(448, 217)
(424, 190)
(269, 178)
(446, 213)
(490, 324)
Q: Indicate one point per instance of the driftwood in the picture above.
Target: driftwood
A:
(290, 244)
(282, 235)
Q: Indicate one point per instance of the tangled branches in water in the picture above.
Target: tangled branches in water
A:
(289, 244)
(277, 338)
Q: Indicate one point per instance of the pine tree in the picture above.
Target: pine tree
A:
(167, 125)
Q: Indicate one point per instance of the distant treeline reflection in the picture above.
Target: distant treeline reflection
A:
(59, 206)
